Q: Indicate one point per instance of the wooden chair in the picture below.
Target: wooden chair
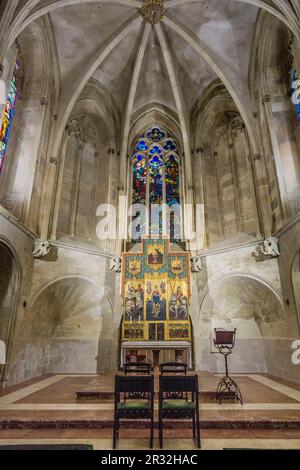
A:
(138, 368)
(179, 399)
(173, 368)
(134, 399)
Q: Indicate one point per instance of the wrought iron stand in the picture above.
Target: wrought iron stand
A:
(227, 388)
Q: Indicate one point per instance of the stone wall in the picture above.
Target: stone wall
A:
(71, 320)
(235, 291)
(278, 352)
(21, 245)
(78, 292)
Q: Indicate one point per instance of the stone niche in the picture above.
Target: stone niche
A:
(250, 306)
(71, 324)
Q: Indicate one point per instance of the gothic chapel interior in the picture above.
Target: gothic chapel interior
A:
(108, 110)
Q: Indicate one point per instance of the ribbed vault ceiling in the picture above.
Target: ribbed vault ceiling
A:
(225, 28)
(170, 63)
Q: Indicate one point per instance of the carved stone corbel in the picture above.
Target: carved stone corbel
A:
(196, 265)
(41, 248)
(116, 264)
(267, 249)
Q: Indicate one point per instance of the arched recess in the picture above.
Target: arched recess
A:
(154, 113)
(9, 296)
(22, 177)
(88, 169)
(270, 84)
(250, 305)
(223, 159)
(69, 328)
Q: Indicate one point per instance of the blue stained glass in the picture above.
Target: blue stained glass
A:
(155, 161)
(156, 134)
(169, 145)
(139, 158)
(296, 93)
(155, 150)
(7, 120)
(141, 146)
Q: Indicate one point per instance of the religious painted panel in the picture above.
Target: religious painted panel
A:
(179, 331)
(160, 331)
(156, 293)
(134, 301)
(156, 299)
(133, 332)
(178, 300)
(155, 255)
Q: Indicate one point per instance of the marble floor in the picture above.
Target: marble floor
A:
(46, 410)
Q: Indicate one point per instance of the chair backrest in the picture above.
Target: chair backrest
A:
(137, 367)
(175, 387)
(136, 387)
(173, 367)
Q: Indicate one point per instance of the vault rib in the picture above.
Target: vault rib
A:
(256, 3)
(179, 100)
(32, 11)
(69, 98)
(130, 101)
(207, 56)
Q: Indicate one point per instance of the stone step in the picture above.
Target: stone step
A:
(218, 423)
(94, 395)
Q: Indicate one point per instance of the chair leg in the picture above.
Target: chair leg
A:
(198, 430)
(151, 432)
(161, 439)
(194, 426)
(118, 429)
(115, 434)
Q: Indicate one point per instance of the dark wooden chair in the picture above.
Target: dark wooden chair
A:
(138, 368)
(173, 368)
(179, 399)
(134, 399)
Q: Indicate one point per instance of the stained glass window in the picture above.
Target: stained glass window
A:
(172, 195)
(156, 134)
(155, 193)
(139, 180)
(7, 120)
(139, 190)
(156, 182)
(170, 145)
(141, 146)
(296, 93)
(156, 149)
(172, 180)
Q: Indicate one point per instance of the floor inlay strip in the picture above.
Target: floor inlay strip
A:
(24, 392)
(284, 389)
(110, 406)
(169, 444)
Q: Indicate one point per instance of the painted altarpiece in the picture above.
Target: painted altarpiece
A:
(156, 295)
